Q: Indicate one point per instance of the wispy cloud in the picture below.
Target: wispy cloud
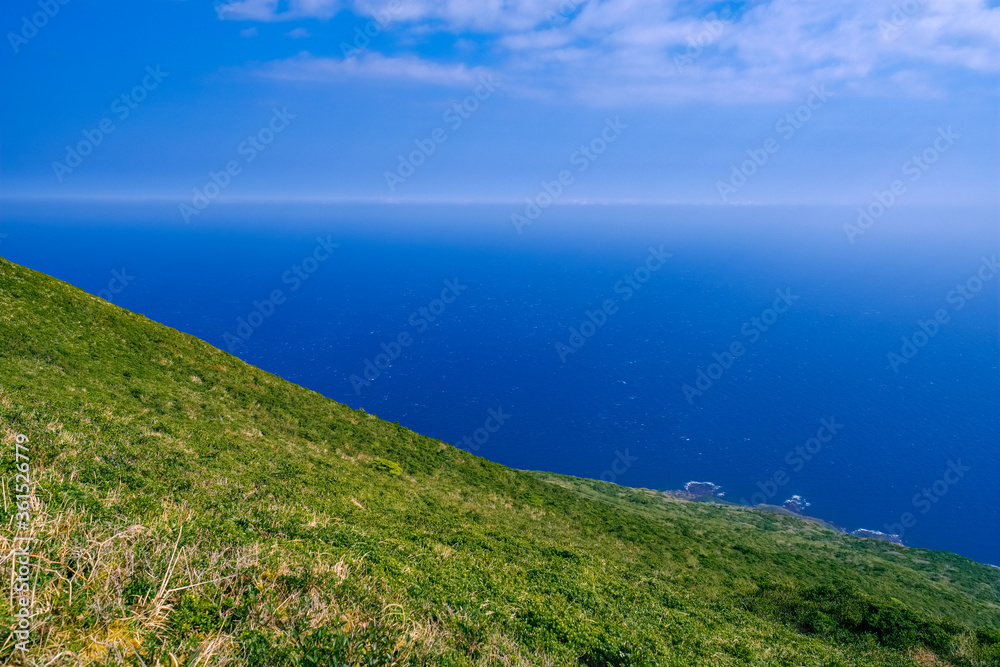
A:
(368, 66)
(614, 52)
(277, 10)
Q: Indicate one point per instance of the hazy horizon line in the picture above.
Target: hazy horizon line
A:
(386, 201)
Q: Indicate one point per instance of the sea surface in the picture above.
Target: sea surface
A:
(493, 364)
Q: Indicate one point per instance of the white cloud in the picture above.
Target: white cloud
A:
(276, 10)
(654, 51)
(306, 67)
(297, 33)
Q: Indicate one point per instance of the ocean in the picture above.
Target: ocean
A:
(768, 350)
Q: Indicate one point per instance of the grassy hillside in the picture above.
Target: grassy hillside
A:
(190, 509)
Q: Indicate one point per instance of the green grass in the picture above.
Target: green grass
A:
(191, 509)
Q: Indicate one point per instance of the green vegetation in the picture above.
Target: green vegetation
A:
(193, 510)
(385, 465)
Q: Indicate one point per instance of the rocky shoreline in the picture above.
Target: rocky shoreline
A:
(794, 506)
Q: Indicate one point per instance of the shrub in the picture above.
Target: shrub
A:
(385, 465)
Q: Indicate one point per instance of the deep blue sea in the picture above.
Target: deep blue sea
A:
(813, 318)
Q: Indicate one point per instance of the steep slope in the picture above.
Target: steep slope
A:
(191, 509)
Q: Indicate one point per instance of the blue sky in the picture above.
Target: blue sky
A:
(694, 88)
